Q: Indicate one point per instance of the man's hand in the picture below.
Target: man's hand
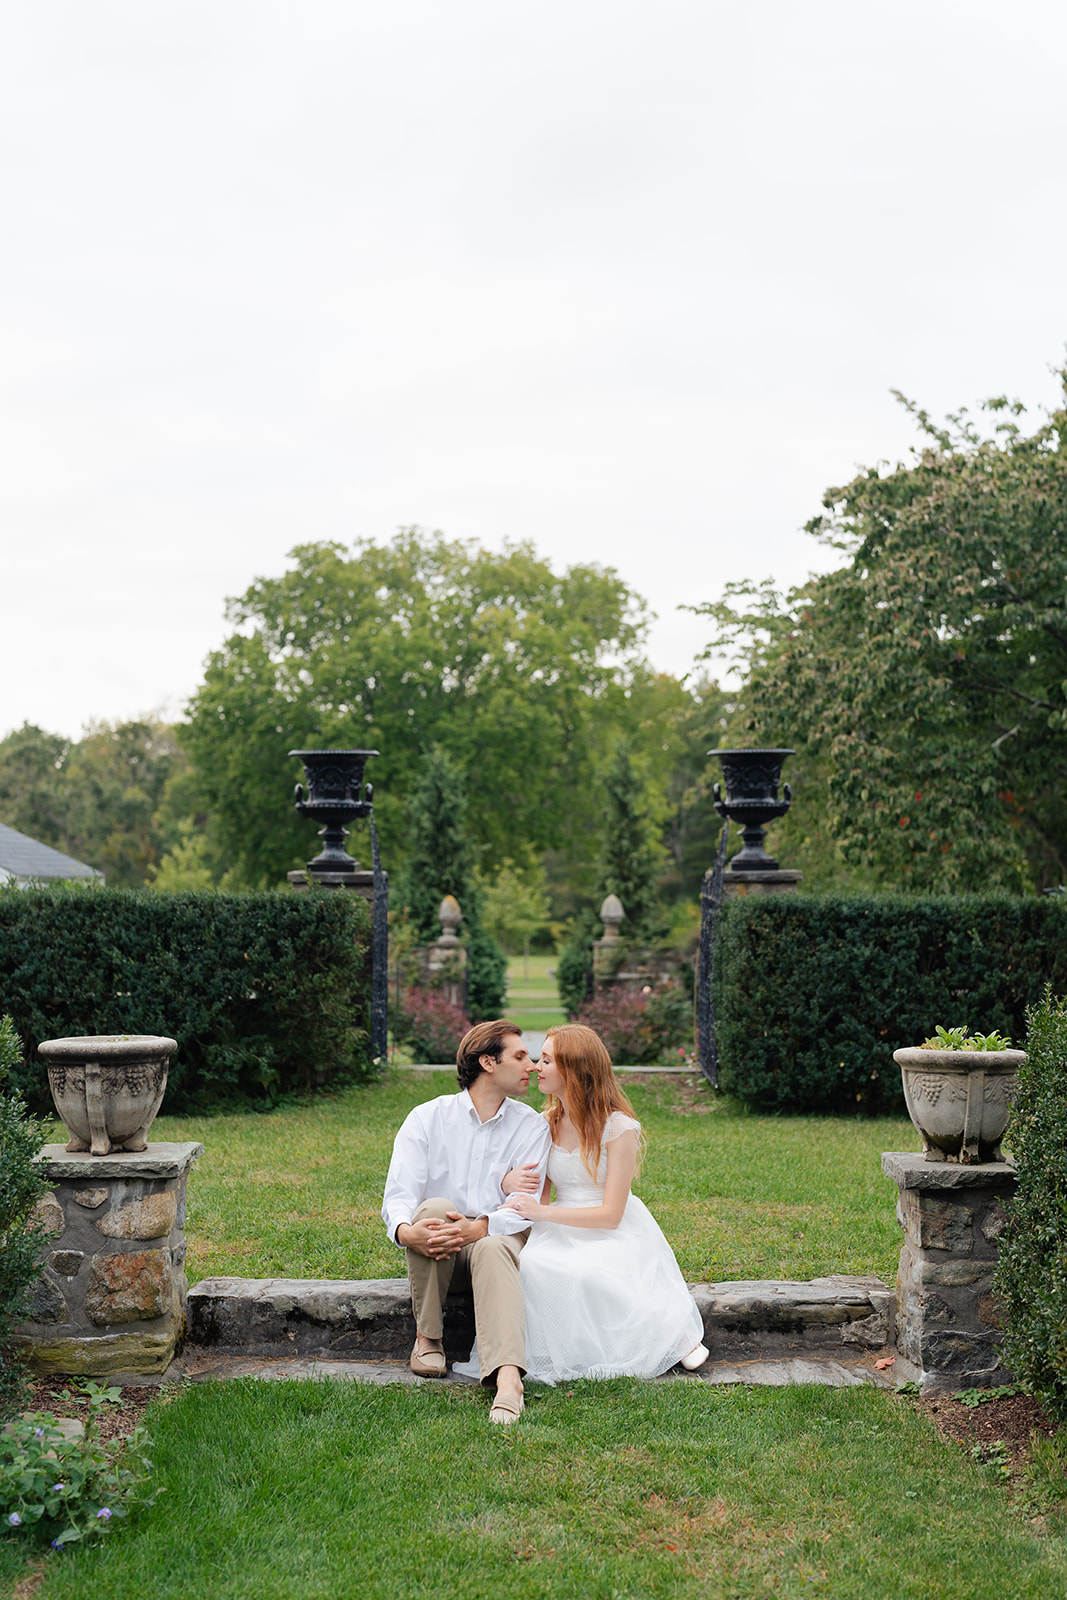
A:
(438, 1239)
(522, 1179)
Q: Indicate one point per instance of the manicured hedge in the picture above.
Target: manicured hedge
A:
(1031, 1278)
(813, 995)
(266, 994)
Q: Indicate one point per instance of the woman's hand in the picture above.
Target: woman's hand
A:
(527, 1206)
(521, 1180)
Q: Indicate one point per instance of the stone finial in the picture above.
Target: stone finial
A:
(611, 915)
(450, 918)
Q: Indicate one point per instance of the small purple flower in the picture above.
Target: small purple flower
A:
(57, 1488)
(15, 1520)
(57, 1544)
(105, 1512)
(39, 1432)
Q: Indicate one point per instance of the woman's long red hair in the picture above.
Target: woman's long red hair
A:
(590, 1088)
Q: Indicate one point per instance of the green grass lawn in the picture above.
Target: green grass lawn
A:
(296, 1193)
(533, 999)
(610, 1491)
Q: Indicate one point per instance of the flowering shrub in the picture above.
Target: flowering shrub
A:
(62, 1491)
(430, 1026)
(639, 1028)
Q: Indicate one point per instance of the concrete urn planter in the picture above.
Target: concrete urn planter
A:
(959, 1100)
(108, 1087)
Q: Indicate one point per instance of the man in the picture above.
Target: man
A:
(443, 1204)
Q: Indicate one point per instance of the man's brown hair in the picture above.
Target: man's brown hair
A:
(484, 1039)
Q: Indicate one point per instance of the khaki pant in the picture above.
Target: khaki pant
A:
(491, 1266)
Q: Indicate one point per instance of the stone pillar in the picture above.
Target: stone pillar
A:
(356, 881)
(111, 1298)
(952, 1215)
(782, 881)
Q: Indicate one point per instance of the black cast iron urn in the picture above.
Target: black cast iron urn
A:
(335, 794)
(752, 780)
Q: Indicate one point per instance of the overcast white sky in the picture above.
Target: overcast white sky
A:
(630, 280)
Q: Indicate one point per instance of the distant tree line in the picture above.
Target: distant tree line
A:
(509, 703)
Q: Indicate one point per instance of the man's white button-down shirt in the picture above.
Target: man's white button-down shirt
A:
(444, 1148)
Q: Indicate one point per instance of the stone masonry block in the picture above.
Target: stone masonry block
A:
(994, 1222)
(152, 1217)
(128, 1288)
(49, 1213)
(66, 1262)
(944, 1226)
(90, 1198)
(47, 1303)
(960, 1353)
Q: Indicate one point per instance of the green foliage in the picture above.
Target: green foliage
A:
(267, 994)
(982, 1397)
(1031, 1276)
(572, 977)
(517, 672)
(21, 1186)
(630, 855)
(812, 996)
(962, 1039)
(515, 905)
(487, 969)
(67, 1491)
(924, 682)
(100, 799)
(440, 860)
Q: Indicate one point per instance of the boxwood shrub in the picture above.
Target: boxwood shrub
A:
(813, 995)
(267, 994)
(1031, 1278)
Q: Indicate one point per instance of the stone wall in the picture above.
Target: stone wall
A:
(111, 1297)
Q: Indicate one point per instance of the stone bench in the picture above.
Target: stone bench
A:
(370, 1318)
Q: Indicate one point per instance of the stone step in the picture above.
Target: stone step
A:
(369, 1319)
(201, 1366)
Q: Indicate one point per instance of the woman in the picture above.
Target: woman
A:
(604, 1296)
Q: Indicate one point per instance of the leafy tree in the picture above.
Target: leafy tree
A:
(517, 672)
(630, 855)
(924, 682)
(516, 905)
(32, 766)
(441, 862)
(440, 858)
(101, 799)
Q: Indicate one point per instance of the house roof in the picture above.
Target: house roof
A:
(23, 857)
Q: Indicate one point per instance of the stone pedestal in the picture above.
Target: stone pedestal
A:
(782, 881)
(356, 882)
(111, 1299)
(952, 1216)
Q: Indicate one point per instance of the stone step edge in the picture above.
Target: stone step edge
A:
(274, 1314)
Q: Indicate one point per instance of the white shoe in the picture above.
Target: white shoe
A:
(696, 1358)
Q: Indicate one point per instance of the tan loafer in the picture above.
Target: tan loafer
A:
(429, 1362)
(506, 1409)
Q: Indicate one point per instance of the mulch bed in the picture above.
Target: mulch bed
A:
(1010, 1421)
(61, 1398)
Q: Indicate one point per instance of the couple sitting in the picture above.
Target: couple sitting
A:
(587, 1287)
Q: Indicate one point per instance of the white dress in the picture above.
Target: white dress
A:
(602, 1302)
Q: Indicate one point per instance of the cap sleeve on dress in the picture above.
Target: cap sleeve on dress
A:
(618, 1123)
